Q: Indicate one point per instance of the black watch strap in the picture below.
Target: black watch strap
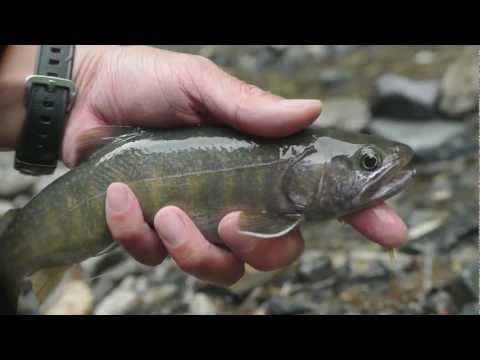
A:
(49, 96)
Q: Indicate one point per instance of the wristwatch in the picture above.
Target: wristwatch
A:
(50, 93)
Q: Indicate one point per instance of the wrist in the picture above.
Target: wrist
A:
(17, 63)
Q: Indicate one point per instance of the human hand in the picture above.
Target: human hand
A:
(150, 87)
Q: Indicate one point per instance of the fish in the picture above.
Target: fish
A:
(208, 171)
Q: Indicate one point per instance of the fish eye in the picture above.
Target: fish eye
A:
(370, 159)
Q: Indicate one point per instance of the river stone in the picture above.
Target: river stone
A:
(285, 305)
(202, 305)
(420, 136)
(314, 266)
(121, 300)
(395, 96)
(348, 113)
(471, 309)
(11, 181)
(458, 94)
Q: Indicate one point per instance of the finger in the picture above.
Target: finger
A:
(380, 224)
(127, 226)
(244, 106)
(192, 252)
(262, 254)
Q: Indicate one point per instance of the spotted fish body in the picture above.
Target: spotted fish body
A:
(206, 171)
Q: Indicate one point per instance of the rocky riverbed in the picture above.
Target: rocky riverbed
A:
(425, 96)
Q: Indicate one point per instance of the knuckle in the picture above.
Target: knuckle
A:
(249, 90)
(203, 61)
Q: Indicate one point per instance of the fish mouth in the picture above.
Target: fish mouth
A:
(389, 182)
(394, 184)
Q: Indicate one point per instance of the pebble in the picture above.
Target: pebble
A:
(202, 305)
(281, 305)
(121, 300)
(314, 266)
(398, 97)
(331, 78)
(160, 294)
(458, 94)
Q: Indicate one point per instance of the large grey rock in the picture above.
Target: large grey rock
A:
(348, 113)
(435, 139)
(459, 89)
(11, 181)
(395, 96)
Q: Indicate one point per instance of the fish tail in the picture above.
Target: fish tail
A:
(9, 288)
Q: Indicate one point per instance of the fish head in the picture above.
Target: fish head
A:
(344, 173)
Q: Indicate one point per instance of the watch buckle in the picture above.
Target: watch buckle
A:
(52, 82)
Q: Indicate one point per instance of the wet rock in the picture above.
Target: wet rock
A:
(464, 288)
(331, 78)
(127, 268)
(102, 287)
(459, 88)
(121, 300)
(441, 303)
(281, 305)
(398, 97)
(471, 309)
(11, 181)
(314, 266)
(5, 206)
(158, 295)
(346, 113)
(431, 140)
(366, 266)
(202, 305)
(424, 57)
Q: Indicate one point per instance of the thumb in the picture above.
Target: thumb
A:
(246, 107)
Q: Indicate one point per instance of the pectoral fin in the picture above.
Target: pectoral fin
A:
(267, 226)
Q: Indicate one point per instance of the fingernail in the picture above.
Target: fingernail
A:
(302, 103)
(117, 198)
(169, 226)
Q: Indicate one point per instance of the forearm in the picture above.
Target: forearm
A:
(17, 63)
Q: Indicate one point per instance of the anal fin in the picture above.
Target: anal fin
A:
(267, 226)
(45, 282)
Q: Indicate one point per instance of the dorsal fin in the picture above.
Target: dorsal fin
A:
(92, 140)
